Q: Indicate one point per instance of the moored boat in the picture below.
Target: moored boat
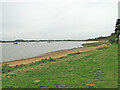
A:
(15, 43)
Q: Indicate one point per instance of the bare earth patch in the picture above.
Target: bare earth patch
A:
(36, 81)
(90, 84)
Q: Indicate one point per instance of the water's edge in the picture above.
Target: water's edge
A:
(44, 54)
(27, 48)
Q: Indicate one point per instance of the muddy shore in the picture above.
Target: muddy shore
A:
(56, 54)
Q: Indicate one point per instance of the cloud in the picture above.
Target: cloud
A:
(58, 19)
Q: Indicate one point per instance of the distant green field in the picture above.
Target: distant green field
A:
(96, 43)
(93, 69)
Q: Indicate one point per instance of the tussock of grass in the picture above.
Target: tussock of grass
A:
(74, 53)
(103, 48)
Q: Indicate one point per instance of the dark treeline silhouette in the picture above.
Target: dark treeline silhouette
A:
(117, 28)
(21, 40)
(114, 38)
(98, 38)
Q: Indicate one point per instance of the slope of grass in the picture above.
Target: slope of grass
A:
(93, 69)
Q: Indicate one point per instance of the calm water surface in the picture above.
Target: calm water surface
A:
(24, 50)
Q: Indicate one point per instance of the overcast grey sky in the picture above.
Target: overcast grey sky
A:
(58, 19)
(119, 9)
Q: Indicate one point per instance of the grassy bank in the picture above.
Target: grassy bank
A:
(93, 69)
(96, 43)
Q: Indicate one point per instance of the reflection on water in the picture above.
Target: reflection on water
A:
(22, 50)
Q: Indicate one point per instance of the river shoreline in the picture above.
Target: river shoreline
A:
(55, 54)
(11, 52)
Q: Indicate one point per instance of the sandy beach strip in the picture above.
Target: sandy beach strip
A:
(56, 54)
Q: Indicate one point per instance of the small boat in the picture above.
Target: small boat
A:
(15, 43)
(48, 41)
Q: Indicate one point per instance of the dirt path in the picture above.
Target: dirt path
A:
(56, 54)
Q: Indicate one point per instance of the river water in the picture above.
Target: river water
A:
(24, 50)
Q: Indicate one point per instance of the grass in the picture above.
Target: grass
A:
(6, 68)
(93, 69)
(96, 43)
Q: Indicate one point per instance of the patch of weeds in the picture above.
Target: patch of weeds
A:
(31, 64)
(19, 66)
(9, 87)
(74, 53)
(103, 48)
(42, 61)
(43, 86)
(51, 59)
(6, 69)
(12, 75)
(62, 57)
(88, 56)
(89, 86)
(37, 83)
(38, 62)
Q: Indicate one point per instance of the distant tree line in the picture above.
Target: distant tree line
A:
(21, 40)
(113, 38)
(98, 38)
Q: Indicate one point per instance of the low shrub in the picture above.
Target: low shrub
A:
(51, 59)
(102, 48)
(74, 53)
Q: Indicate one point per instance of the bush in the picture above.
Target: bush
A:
(113, 38)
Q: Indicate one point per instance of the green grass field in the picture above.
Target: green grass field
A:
(93, 69)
